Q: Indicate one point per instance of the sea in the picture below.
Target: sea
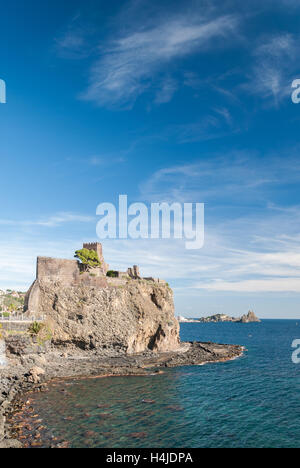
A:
(253, 401)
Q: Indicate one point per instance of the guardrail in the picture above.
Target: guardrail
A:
(21, 319)
(3, 361)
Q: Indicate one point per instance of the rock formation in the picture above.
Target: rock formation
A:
(92, 311)
(246, 318)
(250, 317)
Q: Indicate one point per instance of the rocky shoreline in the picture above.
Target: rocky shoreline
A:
(32, 372)
(96, 323)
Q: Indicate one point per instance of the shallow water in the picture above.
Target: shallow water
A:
(250, 402)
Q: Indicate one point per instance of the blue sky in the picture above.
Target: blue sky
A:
(190, 102)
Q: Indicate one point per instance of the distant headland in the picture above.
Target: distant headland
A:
(246, 318)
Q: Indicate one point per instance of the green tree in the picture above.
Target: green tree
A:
(88, 258)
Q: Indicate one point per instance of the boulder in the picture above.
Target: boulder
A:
(35, 374)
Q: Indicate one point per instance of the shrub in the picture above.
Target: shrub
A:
(112, 274)
(35, 328)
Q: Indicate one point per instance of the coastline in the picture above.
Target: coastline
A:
(32, 373)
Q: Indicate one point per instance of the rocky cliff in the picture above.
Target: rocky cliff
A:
(134, 317)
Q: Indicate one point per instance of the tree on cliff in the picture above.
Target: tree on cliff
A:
(88, 258)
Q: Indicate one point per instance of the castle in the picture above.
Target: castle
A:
(69, 272)
(97, 247)
(133, 272)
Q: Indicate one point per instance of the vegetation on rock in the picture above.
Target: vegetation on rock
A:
(35, 328)
(112, 274)
(88, 258)
(11, 301)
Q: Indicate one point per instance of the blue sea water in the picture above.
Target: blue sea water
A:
(250, 402)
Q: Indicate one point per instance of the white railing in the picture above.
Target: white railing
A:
(20, 318)
(3, 361)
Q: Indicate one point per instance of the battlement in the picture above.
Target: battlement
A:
(97, 247)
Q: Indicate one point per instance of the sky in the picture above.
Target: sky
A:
(177, 101)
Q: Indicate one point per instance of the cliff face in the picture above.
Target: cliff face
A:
(135, 316)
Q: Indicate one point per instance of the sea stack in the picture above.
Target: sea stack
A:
(250, 317)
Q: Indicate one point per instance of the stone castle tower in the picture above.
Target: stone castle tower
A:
(97, 247)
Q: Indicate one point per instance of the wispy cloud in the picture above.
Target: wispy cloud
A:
(17, 271)
(275, 61)
(276, 285)
(129, 63)
(74, 41)
(216, 124)
(222, 178)
(241, 254)
(167, 90)
(251, 243)
(52, 221)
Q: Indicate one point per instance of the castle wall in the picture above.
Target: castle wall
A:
(117, 281)
(65, 271)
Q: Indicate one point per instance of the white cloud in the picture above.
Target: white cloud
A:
(275, 63)
(165, 94)
(215, 124)
(52, 221)
(249, 249)
(238, 174)
(255, 286)
(18, 258)
(126, 67)
(73, 43)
